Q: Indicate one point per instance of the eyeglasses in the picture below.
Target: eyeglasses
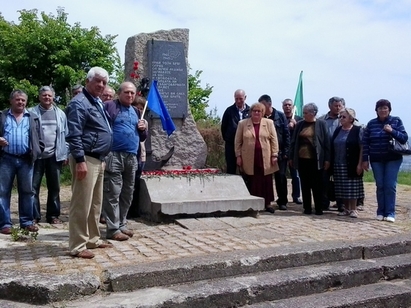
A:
(343, 117)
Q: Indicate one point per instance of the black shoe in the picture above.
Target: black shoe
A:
(307, 212)
(319, 213)
(270, 210)
(282, 207)
(298, 201)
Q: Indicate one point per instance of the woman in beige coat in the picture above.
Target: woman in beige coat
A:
(256, 149)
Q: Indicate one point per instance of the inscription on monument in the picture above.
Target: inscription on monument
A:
(167, 65)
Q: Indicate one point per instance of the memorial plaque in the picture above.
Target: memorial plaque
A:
(167, 65)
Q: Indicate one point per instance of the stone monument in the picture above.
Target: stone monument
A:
(162, 56)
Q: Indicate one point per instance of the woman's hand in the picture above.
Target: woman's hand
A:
(326, 165)
(359, 169)
(274, 160)
(365, 165)
(239, 161)
(388, 128)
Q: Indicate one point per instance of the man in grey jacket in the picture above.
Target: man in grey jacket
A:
(89, 139)
(54, 124)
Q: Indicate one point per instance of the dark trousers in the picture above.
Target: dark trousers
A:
(295, 183)
(311, 181)
(326, 201)
(230, 158)
(134, 208)
(52, 170)
(280, 179)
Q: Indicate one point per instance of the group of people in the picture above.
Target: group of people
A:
(102, 140)
(262, 142)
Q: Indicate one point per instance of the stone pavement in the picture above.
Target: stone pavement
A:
(198, 237)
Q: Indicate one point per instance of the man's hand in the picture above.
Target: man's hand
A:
(141, 125)
(3, 142)
(81, 170)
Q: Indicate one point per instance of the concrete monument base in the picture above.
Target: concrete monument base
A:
(165, 198)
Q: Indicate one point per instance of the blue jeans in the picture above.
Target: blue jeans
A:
(22, 168)
(52, 169)
(385, 175)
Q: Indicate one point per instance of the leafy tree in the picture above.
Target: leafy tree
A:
(46, 50)
(198, 97)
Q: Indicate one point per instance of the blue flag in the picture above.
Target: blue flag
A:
(156, 104)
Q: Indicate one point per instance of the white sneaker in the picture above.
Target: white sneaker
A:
(390, 219)
(354, 214)
(343, 213)
(380, 217)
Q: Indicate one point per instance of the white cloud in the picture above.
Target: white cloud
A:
(355, 49)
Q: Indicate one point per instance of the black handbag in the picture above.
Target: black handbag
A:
(399, 148)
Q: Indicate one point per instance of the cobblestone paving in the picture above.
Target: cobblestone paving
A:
(155, 242)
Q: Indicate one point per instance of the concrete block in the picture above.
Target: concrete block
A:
(168, 196)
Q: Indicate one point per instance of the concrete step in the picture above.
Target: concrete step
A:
(248, 262)
(217, 270)
(387, 294)
(264, 289)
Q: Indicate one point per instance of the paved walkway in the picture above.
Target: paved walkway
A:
(195, 237)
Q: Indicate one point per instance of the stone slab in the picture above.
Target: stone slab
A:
(195, 195)
(192, 224)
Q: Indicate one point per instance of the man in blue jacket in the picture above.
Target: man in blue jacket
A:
(89, 138)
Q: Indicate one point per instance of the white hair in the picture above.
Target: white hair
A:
(99, 71)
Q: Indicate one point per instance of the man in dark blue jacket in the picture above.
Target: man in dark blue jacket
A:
(89, 139)
(232, 115)
(283, 136)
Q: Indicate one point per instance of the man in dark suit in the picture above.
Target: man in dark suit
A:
(283, 136)
(233, 114)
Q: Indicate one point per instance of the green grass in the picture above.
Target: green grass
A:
(404, 177)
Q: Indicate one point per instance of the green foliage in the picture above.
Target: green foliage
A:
(19, 234)
(198, 97)
(46, 50)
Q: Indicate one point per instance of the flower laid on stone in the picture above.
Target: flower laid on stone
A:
(135, 74)
(185, 172)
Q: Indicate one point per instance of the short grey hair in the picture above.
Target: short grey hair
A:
(18, 92)
(311, 108)
(46, 88)
(336, 99)
(99, 71)
(76, 87)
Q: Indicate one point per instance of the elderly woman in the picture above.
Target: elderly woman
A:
(385, 164)
(310, 155)
(346, 158)
(256, 149)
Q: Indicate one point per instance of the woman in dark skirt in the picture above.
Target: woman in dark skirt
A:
(256, 149)
(346, 157)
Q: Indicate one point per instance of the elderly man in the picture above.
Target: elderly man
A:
(232, 115)
(108, 94)
(288, 107)
(89, 139)
(20, 145)
(78, 88)
(121, 163)
(54, 124)
(283, 136)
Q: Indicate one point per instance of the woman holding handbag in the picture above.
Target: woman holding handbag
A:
(385, 164)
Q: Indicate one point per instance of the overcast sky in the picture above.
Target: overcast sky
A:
(357, 49)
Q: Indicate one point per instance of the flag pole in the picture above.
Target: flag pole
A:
(144, 110)
(293, 114)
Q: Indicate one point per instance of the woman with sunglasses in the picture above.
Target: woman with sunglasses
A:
(346, 162)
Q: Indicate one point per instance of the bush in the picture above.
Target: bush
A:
(211, 133)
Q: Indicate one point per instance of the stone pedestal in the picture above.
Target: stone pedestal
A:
(166, 198)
